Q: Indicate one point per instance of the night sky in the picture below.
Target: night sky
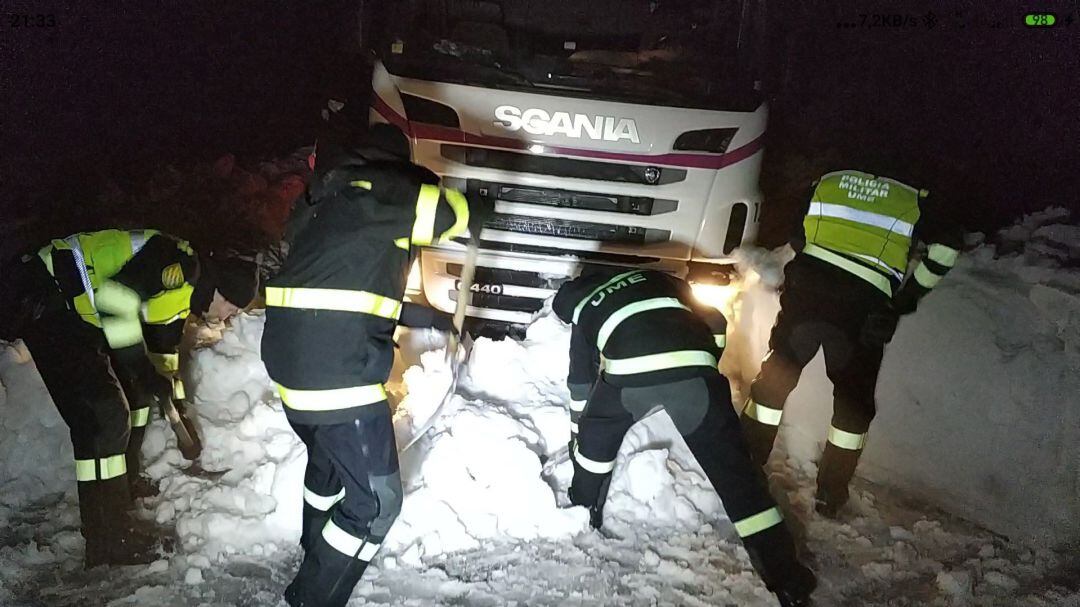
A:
(984, 115)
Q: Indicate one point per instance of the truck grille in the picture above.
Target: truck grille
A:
(502, 302)
(569, 199)
(598, 256)
(504, 276)
(561, 167)
(581, 230)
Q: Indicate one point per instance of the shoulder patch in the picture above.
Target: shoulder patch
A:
(172, 277)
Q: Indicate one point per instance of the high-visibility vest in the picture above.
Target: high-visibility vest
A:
(99, 256)
(864, 218)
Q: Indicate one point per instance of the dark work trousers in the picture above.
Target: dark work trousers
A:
(342, 534)
(72, 357)
(702, 412)
(360, 457)
(820, 307)
(137, 377)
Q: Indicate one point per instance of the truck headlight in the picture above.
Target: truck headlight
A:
(721, 297)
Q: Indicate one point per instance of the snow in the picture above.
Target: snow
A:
(979, 393)
(992, 354)
(35, 452)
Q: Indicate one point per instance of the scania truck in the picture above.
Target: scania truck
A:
(620, 132)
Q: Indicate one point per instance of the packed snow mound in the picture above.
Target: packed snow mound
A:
(474, 479)
(252, 508)
(979, 397)
(35, 452)
(979, 393)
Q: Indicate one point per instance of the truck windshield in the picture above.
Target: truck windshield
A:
(660, 52)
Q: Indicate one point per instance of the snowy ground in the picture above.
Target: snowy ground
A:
(481, 525)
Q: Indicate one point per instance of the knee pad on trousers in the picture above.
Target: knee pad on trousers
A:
(387, 490)
(107, 431)
(686, 402)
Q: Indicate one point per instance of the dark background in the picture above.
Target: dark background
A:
(978, 108)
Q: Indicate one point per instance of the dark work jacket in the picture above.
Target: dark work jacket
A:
(342, 238)
(644, 333)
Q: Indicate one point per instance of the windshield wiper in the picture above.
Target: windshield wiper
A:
(481, 57)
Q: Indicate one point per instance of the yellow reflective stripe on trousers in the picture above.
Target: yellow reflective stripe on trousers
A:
(585, 300)
(178, 391)
(613, 321)
(460, 205)
(322, 502)
(721, 340)
(341, 300)
(846, 440)
(759, 522)
(578, 406)
(943, 255)
(925, 277)
(427, 202)
(657, 362)
(874, 277)
(763, 414)
(140, 417)
(111, 467)
(121, 331)
(331, 400)
(347, 543)
(592, 465)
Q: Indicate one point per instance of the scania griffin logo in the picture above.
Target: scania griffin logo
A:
(541, 122)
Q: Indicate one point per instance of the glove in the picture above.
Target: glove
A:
(480, 211)
(772, 553)
(878, 328)
(443, 322)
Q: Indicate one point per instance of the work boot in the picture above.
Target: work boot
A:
(596, 506)
(142, 487)
(759, 439)
(312, 525)
(835, 470)
(112, 536)
(139, 485)
(326, 577)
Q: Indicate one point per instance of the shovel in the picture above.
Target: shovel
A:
(455, 342)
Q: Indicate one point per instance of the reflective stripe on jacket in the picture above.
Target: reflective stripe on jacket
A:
(646, 326)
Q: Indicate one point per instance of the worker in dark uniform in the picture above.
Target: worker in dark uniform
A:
(660, 348)
(98, 312)
(328, 343)
(844, 292)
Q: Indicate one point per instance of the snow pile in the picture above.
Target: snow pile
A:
(477, 477)
(254, 507)
(35, 451)
(990, 357)
(979, 393)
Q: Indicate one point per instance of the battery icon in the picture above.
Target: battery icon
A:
(1040, 19)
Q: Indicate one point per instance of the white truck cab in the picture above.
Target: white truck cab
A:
(618, 132)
